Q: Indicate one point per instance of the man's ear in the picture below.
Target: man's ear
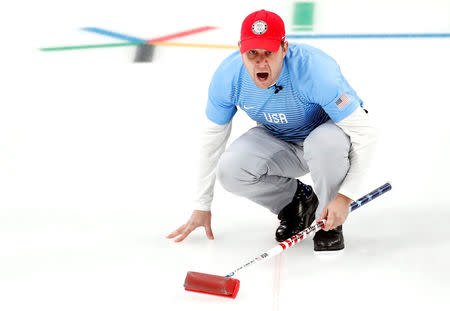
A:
(285, 48)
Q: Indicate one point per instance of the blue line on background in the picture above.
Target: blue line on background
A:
(370, 36)
(293, 36)
(114, 34)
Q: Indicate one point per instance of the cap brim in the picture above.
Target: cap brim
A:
(260, 43)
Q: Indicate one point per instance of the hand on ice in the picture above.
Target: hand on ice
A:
(198, 219)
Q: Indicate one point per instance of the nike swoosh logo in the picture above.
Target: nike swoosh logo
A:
(245, 107)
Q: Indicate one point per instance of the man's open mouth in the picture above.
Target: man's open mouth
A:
(262, 76)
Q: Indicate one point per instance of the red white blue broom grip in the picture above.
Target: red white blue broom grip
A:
(311, 229)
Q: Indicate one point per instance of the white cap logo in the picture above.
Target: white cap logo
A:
(259, 27)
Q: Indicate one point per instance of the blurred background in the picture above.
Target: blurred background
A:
(98, 155)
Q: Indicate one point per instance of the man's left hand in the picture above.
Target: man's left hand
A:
(336, 211)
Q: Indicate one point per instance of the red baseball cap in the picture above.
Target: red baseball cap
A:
(262, 30)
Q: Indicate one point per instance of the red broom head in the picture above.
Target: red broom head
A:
(211, 284)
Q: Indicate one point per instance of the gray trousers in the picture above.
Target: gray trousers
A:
(263, 168)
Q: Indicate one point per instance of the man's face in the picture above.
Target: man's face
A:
(264, 66)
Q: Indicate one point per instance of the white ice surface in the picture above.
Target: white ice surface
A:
(97, 165)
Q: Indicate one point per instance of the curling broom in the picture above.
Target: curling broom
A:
(228, 287)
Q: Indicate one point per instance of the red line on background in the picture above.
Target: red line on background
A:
(181, 34)
(276, 283)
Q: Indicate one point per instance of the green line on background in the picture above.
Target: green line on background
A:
(303, 16)
(78, 47)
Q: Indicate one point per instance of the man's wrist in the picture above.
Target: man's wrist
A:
(344, 198)
(196, 211)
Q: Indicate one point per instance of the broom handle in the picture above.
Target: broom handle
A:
(311, 229)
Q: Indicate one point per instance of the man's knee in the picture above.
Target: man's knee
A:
(232, 171)
(327, 148)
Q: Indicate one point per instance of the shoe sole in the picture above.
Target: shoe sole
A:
(332, 249)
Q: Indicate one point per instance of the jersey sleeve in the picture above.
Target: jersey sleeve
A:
(212, 145)
(220, 108)
(331, 90)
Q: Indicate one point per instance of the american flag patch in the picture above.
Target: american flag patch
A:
(342, 101)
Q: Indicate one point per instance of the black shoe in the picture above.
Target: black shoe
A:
(298, 214)
(331, 240)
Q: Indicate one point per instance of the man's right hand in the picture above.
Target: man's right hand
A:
(198, 219)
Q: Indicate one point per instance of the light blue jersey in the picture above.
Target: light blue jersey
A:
(313, 90)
